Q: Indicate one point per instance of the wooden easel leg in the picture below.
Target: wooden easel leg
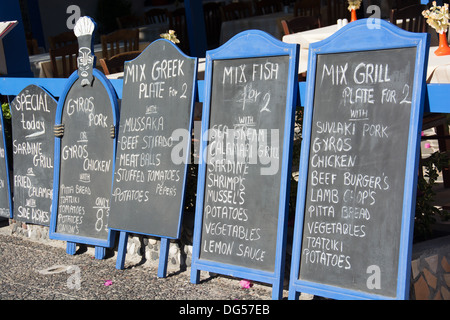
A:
(163, 255)
(122, 250)
(195, 275)
(100, 253)
(293, 295)
(277, 290)
(71, 248)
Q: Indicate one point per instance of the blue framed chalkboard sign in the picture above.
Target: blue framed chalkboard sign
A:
(358, 163)
(157, 111)
(86, 122)
(245, 159)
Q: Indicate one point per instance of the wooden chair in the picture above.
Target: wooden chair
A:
(307, 8)
(299, 24)
(62, 39)
(337, 9)
(64, 60)
(213, 23)
(267, 6)
(32, 46)
(130, 21)
(118, 41)
(115, 64)
(177, 22)
(236, 10)
(156, 15)
(411, 16)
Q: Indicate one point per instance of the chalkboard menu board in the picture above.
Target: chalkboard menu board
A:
(84, 162)
(5, 193)
(154, 139)
(243, 176)
(361, 137)
(33, 116)
(246, 146)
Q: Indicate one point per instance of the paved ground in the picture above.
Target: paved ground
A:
(31, 270)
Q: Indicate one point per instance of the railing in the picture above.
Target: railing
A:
(436, 98)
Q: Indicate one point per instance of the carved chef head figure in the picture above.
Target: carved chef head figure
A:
(84, 28)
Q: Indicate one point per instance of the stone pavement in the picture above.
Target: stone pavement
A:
(32, 270)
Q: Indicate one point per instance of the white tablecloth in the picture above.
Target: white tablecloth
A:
(305, 38)
(438, 70)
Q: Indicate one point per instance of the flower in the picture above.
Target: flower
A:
(108, 283)
(437, 17)
(170, 36)
(354, 4)
(245, 284)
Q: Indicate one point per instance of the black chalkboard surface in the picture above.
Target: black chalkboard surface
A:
(153, 141)
(358, 165)
(358, 145)
(246, 132)
(85, 162)
(33, 116)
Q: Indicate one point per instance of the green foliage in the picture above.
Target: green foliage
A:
(426, 212)
(6, 111)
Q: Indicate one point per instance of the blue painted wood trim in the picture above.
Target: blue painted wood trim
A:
(55, 86)
(122, 250)
(163, 255)
(436, 98)
(6, 159)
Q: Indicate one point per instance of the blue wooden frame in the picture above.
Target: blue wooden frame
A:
(249, 44)
(436, 96)
(357, 37)
(8, 180)
(165, 243)
(100, 244)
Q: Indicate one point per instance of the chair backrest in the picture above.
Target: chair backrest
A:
(411, 18)
(236, 10)
(156, 15)
(177, 22)
(62, 39)
(118, 41)
(32, 46)
(116, 63)
(64, 60)
(130, 21)
(213, 22)
(307, 8)
(299, 24)
(267, 6)
(337, 9)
